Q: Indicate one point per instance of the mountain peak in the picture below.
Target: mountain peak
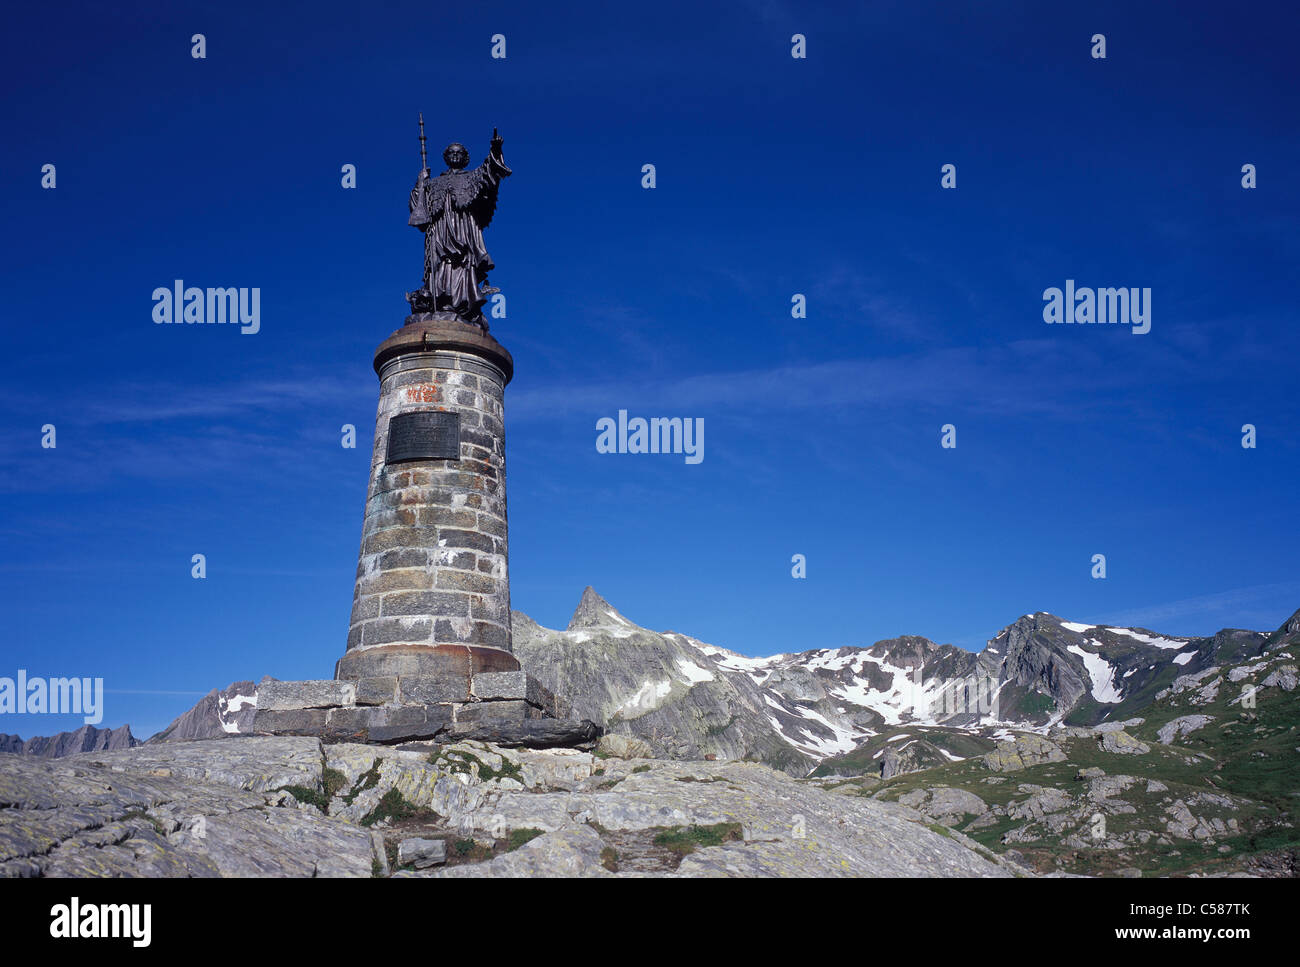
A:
(1292, 625)
(87, 738)
(594, 611)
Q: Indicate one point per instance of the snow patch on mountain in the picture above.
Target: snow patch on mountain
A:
(1076, 627)
(228, 709)
(1156, 641)
(646, 699)
(1102, 674)
(693, 672)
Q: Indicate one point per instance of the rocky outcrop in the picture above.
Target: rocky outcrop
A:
(198, 809)
(1287, 636)
(1120, 742)
(1035, 654)
(1021, 752)
(290, 806)
(623, 747)
(1183, 725)
(1185, 683)
(1283, 677)
(946, 805)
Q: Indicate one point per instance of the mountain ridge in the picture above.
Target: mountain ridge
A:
(794, 710)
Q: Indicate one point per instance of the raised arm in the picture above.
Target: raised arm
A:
(494, 154)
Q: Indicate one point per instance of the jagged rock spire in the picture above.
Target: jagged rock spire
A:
(594, 611)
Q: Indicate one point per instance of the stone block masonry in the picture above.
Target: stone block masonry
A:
(432, 592)
(404, 709)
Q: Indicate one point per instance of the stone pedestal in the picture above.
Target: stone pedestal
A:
(428, 657)
(432, 594)
(414, 708)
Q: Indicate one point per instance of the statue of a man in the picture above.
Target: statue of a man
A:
(452, 210)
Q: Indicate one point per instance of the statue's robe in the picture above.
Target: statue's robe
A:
(452, 210)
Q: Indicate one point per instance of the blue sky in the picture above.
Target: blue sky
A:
(775, 176)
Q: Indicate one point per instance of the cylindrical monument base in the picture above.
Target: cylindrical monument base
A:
(432, 590)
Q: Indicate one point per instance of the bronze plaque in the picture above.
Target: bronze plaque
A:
(423, 436)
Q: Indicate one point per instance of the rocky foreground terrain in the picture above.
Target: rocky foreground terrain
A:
(1074, 748)
(270, 806)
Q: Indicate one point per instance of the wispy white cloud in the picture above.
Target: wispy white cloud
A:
(166, 431)
(150, 691)
(1059, 376)
(847, 292)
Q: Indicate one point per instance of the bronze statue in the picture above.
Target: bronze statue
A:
(452, 210)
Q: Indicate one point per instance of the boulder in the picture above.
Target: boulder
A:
(1183, 725)
(1021, 752)
(945, 804)
(1283, 677)
(421, 853)
(1121, 743)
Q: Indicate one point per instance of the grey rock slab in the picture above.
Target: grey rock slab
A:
(947, 805)
(212, 808)
(283, 842)
(421, 852)
(290, 721)
(1183, 682)
(1283, 677)
(1104, 787)
(1042, 802)
(791, 828)
(376, 691)
(1245, 671)
(429, 690)
(571, 852)
(530, 733)
(274, 695)
(256, 763)
(352, 759)
(1183, 725)
(624, 746)
(504, 711)
(525, 810)
(1021, 752)
(158, 811)
(551, 768)
(1121, 743)
(431, 722)
(516, 685)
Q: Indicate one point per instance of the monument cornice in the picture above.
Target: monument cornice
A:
(444, 335)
